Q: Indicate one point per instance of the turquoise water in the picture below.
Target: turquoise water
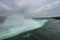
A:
(29, 24)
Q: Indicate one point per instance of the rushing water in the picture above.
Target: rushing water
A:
(50, 31)
(17, 24)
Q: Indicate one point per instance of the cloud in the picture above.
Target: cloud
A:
(52, 10)
(28, 7)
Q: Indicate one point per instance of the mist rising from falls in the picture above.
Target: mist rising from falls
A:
(16, 24)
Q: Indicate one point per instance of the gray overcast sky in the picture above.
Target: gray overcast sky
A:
(26, 7)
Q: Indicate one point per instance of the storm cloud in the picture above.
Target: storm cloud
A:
(29, 8)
